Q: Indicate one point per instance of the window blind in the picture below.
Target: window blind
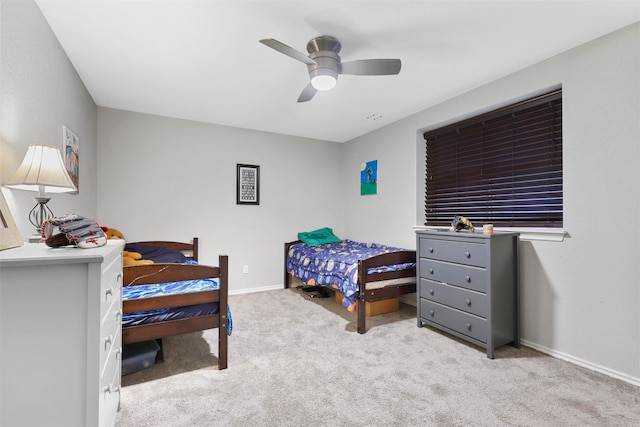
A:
(503, 167)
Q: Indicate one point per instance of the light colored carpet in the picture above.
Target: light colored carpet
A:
(297, 361)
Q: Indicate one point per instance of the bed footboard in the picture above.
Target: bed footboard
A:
(163, 273)
(371, 294)
(390, 291)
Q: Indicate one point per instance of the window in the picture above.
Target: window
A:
(503, 167)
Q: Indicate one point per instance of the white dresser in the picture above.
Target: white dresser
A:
(60, 335)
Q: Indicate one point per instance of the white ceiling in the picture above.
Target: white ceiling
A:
(201, 60)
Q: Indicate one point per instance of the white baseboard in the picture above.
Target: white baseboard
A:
(409, 299)
(568, 358)
(260, 289)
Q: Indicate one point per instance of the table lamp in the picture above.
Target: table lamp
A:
(42, 170)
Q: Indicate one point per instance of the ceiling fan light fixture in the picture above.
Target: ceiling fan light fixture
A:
(323, 82)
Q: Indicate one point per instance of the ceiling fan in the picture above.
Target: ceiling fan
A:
(324, 64)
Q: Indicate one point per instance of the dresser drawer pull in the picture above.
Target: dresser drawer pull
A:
(108, 292)
(432, 313)
(111, 389)
(467, 254)
(108, 341)
(468, 326)
(119, 277)
(467, 278)
(430, 250)
(118, 315)
(431, 292)
(118, 353)
(431, 271)
(468, 301)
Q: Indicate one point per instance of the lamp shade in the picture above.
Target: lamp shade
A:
(42, 170)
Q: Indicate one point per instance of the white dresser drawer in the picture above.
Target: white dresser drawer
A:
(111, 338)
(110, 285)
(110, 390)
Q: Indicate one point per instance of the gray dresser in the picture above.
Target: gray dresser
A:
(468, 285)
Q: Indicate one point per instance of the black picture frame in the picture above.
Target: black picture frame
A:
(247, 184)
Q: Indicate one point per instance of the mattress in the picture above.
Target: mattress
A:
(171, 288)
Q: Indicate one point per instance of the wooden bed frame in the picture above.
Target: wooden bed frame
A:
(369, 295)
(164, 272)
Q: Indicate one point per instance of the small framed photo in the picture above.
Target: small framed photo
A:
(247, 184)
(71, 155)
(9, 234)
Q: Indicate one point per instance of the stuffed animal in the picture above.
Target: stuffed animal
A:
(461, 223)
(128, 257)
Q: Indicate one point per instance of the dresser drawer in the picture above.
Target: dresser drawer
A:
(468, 277)
(456, 320)
(110, 342)
(112, 270)
(458, 251)
(109, 297)
(110, 286)
(462, 299)
(109, 392)
(111, 305)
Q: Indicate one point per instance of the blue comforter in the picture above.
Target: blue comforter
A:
(171, 288)
(336, 265)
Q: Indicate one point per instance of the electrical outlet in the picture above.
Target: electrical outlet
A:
(245, 269)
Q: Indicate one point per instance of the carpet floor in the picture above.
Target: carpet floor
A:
(298, 361)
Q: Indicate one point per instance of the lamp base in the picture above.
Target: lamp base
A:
(35, 238)
(40, 212)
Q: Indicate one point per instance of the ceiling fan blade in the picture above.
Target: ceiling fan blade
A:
(307, 93)
(287, 50)
(371, 67)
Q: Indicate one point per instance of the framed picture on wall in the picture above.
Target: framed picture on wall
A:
(369, 178)
(247, 184)
(71, 155)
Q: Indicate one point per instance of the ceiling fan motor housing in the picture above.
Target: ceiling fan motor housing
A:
(324, 51)
(327, 66)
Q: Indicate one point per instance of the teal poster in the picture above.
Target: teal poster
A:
(369, 178)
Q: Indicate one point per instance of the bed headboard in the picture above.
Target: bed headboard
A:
(190, 250)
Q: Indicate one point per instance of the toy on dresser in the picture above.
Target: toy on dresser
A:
(461, 223)
(73, 230)
(128, 257)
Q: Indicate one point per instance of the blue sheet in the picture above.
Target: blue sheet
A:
(336, 265)
(171, 288)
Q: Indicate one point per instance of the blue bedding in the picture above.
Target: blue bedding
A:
(336, 265)
(171, 288)
(156, 253)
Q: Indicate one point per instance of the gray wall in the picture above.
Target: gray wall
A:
(40, 92)
(162, 178)
(155, 177)
(580, 297)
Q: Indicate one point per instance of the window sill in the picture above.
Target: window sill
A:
(526, 233)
